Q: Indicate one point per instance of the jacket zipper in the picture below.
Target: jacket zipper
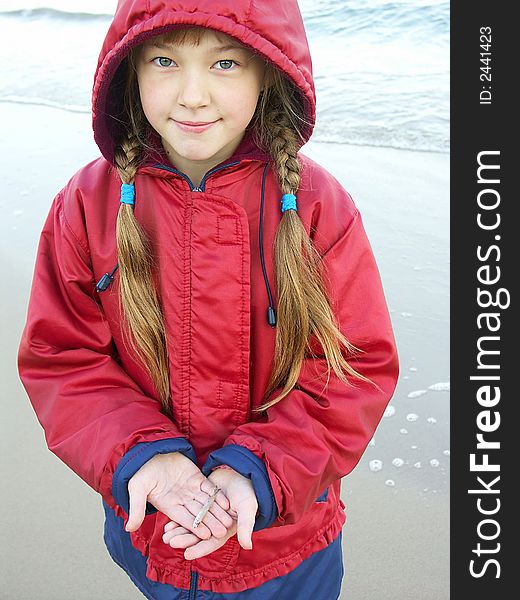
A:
(193, 585)
(202, 186)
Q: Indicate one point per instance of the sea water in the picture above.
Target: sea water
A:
(381, 67)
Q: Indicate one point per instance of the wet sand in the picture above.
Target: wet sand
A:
(396, 539)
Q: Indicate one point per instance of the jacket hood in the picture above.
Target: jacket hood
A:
(273, 29)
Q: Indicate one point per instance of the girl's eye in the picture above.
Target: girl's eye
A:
(226, 61)
(161, 59)
(167, 62)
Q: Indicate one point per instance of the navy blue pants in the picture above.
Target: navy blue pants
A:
(316, 578)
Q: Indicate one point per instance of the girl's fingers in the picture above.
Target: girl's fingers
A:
(176, 531)
(184, 540)
(216, 510)
(245, 525)
(183, 515)
(170, 525)
(221, 515)
(220, 500)
(226, 519)
(136, 513)
(217, 528)
(205, 547)
(180, 537)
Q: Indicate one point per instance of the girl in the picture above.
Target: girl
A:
(207, 336)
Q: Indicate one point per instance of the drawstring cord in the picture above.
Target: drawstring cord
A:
(271, 312)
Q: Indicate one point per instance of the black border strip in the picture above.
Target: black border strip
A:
(483, 257)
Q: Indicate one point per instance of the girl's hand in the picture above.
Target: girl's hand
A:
(177, 488)
(243, 509)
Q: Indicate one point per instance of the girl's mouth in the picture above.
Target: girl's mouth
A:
(195, 128)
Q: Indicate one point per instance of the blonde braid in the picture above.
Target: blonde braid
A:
(138, 299)
(304, 308)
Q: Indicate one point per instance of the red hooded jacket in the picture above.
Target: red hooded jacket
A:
(97, 406)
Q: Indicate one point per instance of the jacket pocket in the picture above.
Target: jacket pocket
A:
(323, 496)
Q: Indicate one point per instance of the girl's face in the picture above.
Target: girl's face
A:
(199, 84)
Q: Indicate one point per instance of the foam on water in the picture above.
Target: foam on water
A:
(375, 465)
(440, 387)
(389, 411)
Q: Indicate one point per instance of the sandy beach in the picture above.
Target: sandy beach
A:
(396, 539)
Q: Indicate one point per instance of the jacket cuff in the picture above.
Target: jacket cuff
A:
(243, 461)
(135, 458)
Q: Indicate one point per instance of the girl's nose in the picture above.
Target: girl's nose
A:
(193, 90)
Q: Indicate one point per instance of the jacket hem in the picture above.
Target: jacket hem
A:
(238, 582)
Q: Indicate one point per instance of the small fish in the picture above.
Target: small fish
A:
(203, 511)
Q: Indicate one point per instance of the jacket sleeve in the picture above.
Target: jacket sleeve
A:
(92, 412)
(243, 461)
(317, 434)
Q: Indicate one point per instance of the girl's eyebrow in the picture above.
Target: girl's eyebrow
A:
(210, 50)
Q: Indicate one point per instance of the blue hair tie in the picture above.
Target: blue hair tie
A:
(127, 193)
(288, 202)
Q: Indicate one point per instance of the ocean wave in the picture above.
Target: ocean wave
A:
(383, 83)
(374, 17)
(379, 20)
(361, 136)
(53, 13)
(44, 102)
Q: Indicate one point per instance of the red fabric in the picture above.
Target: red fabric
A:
(93, 399)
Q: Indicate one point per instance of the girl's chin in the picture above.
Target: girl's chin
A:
(192, 150)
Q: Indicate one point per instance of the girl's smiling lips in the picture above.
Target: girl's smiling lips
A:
(195, 127)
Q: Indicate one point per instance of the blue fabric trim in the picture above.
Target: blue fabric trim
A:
(323, 496)
(243, 461)
(135, 458)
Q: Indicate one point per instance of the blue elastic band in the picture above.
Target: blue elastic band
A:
(288, 202)
(127, 193)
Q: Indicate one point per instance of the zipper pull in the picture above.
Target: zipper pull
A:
(196, 189)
